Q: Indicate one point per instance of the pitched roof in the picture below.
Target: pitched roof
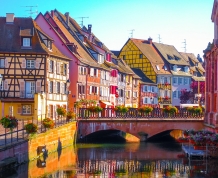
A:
(151, 53)
(11, 39)
(142, 75)
(169, 51)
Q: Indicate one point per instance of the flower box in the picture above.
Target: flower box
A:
(196, 147)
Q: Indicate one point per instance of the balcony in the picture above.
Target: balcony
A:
(23, 94)
(165, 86)
(164, 100)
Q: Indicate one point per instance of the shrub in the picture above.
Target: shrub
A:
(61, 111)
(170, 109)
(48, 123)
(95, 109)
(121, 109)
(31, 128)
(9, 122)
(146, 109)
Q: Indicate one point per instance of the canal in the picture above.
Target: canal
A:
(112, 157)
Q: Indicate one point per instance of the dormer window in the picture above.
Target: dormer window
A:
(165, 67)
(49, 45)
(177, 58)
(157, 66)
(186, 69)
(175, 68)
(100, 58)
(169, 57)
(26, 42)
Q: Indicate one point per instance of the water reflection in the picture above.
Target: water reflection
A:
(137, 160)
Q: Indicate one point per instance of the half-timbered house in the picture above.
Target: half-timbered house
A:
(34, 71)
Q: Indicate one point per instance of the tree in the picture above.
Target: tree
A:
(190, 95)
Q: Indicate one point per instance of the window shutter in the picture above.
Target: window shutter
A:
(168, 93)
(54, 87)
(38, 86)
(97, 90)
(90, 90)
(23, 64)
(96, 72)
(58, 67)
(19, 109)
(91, 72)
(6, 63)
(54, 66)
(37, 64)
(5, 85)
(148, 100)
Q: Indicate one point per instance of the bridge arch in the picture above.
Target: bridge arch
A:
(133, 127)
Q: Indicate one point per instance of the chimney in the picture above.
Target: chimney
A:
(150, 40)
(52, 13)
(67, 18)
(9, 17)
(90, 28)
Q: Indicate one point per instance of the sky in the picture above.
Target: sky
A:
(185, 24)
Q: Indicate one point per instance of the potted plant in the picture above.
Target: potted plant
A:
(48, 123)
(31, 128)
(145, 109)
(121, 109)
(9, 122)
(95, 109)
(70, 115)
(61, 111)
(170, 109)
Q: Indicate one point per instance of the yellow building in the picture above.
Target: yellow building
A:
(141, 54)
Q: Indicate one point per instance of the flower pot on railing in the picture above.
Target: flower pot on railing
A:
(145, 110)
(9, 122)
(31, 128)
(61, 111)
(121, 110)
(48, 123)
(170, 111)
(70, 115)
(94, 110)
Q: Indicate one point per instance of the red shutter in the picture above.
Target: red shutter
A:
(108, 57)
(111, 89)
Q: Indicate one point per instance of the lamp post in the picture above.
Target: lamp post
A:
(68, 92)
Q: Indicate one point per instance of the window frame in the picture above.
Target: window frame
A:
(51, 83)
(30, 64)
(2, 64)
(51, 66)
(30, 109)
(26, 42)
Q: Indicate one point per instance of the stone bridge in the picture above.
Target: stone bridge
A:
(133, 126)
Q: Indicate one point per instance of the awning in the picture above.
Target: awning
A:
(107, 103)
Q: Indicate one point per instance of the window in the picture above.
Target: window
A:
(152, 89)
(180, 81)
(30, 89)
(26, 42)
(2, 63)
(93, 90)
(30, 64)
(146, 100)
(58, 66)
(165, 80)
(96, 72)
(51, 87)
(174, 94)
(101, 58)
(165, 67)
(175, 80)
(121, 92)
(81, 89)
(51, 66)
(186, 69)
(179, 94)
(124, 57)
(127, 94)
(185, 81)
(135, 94)
(49, 45)
(82, 70)
(58, 87)
(26, 109)
(140, 56)
(157, 66)
(64, 87)
(175, 68)
(65, 69)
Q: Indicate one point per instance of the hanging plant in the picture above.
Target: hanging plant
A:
(9, 122)
(48, 123)
(61, 111)
(31, 128)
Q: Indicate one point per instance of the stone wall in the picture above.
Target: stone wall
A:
(51, 141)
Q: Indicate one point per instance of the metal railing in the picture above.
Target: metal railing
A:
(8, 137)
(132, 113)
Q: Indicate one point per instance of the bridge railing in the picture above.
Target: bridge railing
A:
(84, 113)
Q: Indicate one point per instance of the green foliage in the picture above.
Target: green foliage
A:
(170, 109)
(95, 109)
(145, 109)
(9, 122)
(31, 128)
(48, 123)
(61, 111)
(121, 109)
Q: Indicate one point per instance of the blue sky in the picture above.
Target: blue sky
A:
(113, 20)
